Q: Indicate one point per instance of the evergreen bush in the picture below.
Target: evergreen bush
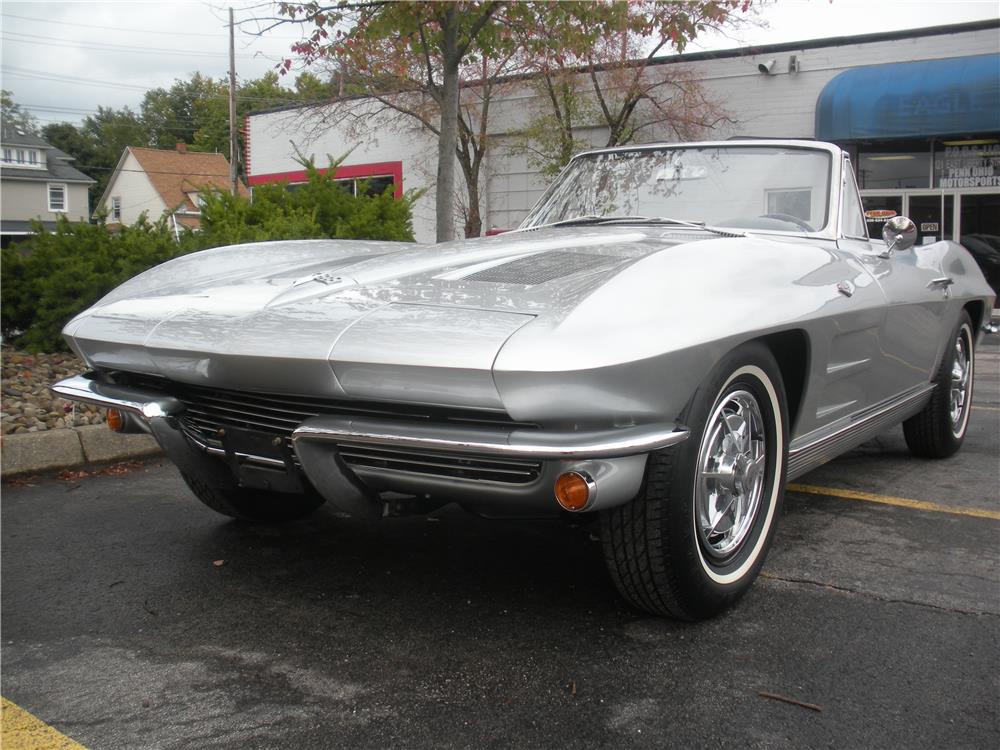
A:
(50, 277)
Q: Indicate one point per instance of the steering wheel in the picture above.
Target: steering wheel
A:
(790, 219)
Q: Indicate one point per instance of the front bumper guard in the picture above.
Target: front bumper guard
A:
(518, 443)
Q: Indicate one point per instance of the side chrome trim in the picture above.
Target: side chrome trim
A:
(145, 404)
(860, 428)
(614, 443)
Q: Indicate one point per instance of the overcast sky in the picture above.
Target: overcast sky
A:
(63, 59)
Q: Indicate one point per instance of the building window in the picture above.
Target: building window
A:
(33, 158)
(116, 209)
(20, 156)
(8, 155)
(967, 164)
(57, 197)
(894, 165)
(356, 179)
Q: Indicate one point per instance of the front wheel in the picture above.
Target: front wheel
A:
(694, 539)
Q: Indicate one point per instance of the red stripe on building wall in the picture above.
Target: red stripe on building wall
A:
(392, 169)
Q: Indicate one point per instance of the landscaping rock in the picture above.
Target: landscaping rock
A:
(28, 405)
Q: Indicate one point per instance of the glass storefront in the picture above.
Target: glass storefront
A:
(950, 188)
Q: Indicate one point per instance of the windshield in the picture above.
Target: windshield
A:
(750, 187)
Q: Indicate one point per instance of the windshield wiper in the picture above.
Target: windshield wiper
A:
(591, 219)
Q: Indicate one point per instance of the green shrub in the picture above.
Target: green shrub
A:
(50, 277)
(320, 207)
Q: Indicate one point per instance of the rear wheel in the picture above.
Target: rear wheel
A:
(223, 495)
(938, 430)
(694, 539)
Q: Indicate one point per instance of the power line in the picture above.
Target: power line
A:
(220, 35)
(77, 80)
(23, 73)
(34, 40)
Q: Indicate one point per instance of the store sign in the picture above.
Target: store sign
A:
(968, 167)
(879, 215)
(929, 226)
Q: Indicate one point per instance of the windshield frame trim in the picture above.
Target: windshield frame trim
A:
(834, 188)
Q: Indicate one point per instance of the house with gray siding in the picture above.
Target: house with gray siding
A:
(37, 182)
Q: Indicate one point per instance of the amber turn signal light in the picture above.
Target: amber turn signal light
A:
(115, 419)
(574, 490)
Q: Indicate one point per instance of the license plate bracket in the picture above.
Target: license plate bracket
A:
(260, 460)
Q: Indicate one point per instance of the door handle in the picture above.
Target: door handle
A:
(943, 283)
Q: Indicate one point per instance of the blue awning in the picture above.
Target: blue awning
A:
(954, 96)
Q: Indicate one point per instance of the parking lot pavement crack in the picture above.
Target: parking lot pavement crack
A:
(877, 597)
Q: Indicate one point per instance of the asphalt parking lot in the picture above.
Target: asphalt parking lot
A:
(134, 617)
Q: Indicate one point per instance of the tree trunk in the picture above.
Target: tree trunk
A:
(473, 220)
(448, 140)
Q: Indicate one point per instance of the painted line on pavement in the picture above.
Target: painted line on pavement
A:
(20, 730)
(901, 502)
(985, 408)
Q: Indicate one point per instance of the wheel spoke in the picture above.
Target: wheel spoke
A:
(721, 514)
(718, 476)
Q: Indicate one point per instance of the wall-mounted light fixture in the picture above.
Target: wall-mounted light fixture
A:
(767, 67)
(793, 64)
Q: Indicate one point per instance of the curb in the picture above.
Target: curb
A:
(70, 447)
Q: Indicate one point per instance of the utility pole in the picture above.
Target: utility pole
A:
(233, 143)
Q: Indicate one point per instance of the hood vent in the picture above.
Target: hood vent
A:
(537, 269)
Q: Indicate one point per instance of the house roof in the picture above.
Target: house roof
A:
(56, 163)
(10, 135)
(175, 174)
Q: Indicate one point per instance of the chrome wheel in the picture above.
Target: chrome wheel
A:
(732, 463)
(960, 370)
(938, 430)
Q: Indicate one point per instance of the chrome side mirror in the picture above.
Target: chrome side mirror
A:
(899, 233)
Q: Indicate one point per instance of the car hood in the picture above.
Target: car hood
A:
(360, 319)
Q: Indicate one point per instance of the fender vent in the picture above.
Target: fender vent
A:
(537, 269)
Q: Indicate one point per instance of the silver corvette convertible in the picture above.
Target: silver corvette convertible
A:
(673, 332)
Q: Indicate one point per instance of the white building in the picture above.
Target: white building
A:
(919, 110)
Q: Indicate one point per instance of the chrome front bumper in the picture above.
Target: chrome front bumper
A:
(614, 458)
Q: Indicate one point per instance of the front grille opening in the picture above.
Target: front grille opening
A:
(207, 410)
(210, 408)
(459, 466)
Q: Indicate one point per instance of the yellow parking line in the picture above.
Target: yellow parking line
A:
(23, 731)
(898, 501)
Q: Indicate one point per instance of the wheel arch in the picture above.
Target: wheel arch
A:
(977, 313)
(791, 350)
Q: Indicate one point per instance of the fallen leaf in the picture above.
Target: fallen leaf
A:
(218, 563)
